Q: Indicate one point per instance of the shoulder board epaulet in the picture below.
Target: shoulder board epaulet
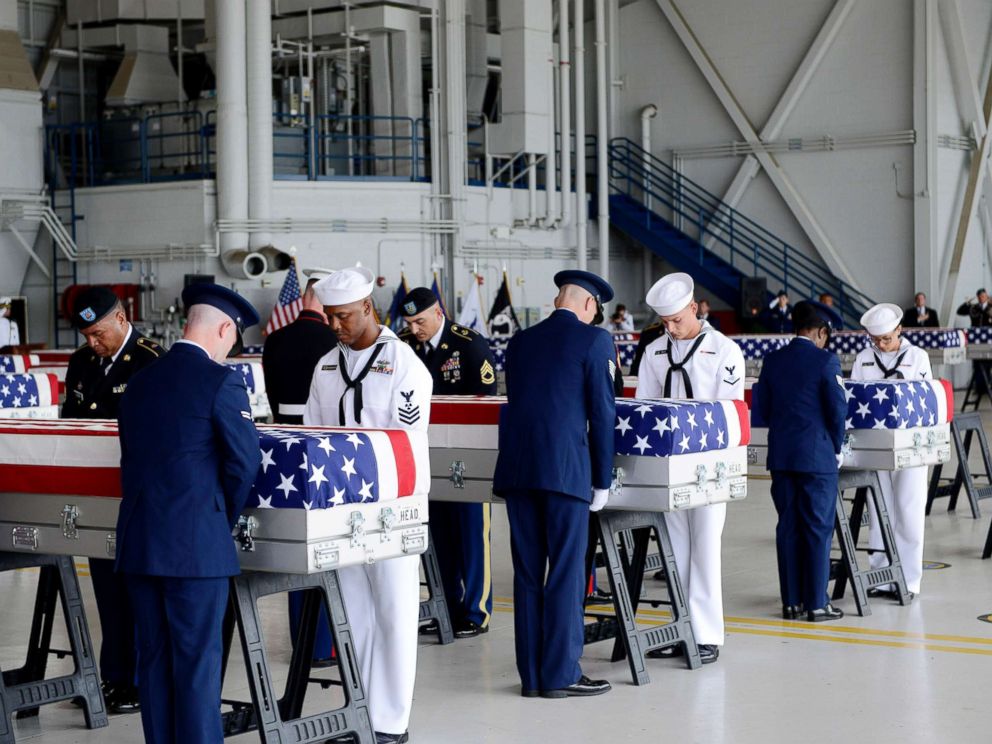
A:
(150, 346)
(462, 331)
(405, 334)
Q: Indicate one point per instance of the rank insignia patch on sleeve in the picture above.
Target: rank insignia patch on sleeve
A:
(408, 413)
(488, 374)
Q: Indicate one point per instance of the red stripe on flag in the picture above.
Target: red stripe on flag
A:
(467, 413)
(745, 421)
(54, 431)
(53, 384)
(66, 480)
(406, 464)
(949, 395)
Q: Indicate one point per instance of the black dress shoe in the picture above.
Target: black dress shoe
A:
(824, 614)
(599, 597)
(469, 629)
(585, 687)
(668, 652)
(792, 612)
(529, 693)
(123, 700)
(708, 653)
(659, 575)
(893, 594)
(322, 663)
(430, 629)
(381, 738)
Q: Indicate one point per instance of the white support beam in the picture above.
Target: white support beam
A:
(790, 97)
(962, 74)
(926, 256)
(783, 185)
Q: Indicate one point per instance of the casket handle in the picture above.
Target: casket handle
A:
(246, 533)
(457, 471)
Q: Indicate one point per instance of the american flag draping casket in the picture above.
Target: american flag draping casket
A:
(671, 455)
(323, 498)
(34, 396)
(251, 371)
(625, 342)
(17, 363)
(980, 343)
(891, 425)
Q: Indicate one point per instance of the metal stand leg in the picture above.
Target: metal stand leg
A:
(971, 425)
(848, 529)
(435, 607)
(625, 565)
(23, 690)
(278, 720)
(980, 385)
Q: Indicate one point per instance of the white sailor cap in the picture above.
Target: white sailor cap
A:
(345, 286)
(4, 302)
(882, 318)
(317, 272)
(671, 294)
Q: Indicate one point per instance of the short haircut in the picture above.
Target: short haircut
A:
(805, 317)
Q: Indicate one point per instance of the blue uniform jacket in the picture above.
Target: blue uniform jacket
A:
(556, 431)
(800, 397)
(189, 455)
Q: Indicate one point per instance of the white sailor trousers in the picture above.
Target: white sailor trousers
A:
(383, 605)
(905, 494)
(697, 535)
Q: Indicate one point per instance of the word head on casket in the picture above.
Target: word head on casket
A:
(670, 454)
(322, 499)
(891, 425)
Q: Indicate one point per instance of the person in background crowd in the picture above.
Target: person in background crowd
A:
(920, 316)
(978, 309)
(621, 320)
(779, 315)
(9, 334)
(827, 299)
(704, 314)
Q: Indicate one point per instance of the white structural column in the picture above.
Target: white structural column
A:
(787, 102)
(925, 244)
(455, 125)
(565, 98)
(782, 183)
(232, 121)
(581, 205)
(602, 141)
(258, 66)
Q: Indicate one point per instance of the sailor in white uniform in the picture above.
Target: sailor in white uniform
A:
(891, 357)
(9, 334)
(373, 380)
(692, 360)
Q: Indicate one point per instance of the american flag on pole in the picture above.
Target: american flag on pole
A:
(290, 301)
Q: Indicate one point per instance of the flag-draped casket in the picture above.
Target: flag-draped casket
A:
(250, 370)
(17, 363)
(980, 343)
(670, 455)
(29, 396)
(891, 425)
(323, 498)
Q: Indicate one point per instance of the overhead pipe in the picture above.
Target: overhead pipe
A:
(648, 113)
(550, 163)
(258, 67)
(602, 140)
(232, 139)
(565, 98)
(581, 207)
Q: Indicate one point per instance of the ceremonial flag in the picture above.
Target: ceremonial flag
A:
(290, 301)
(471, 314)
(394, 318)
(502, 319)
(436, 289)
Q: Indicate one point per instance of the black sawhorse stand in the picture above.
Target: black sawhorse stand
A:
(980, 384)
(23, 690)
(435, 607)
(970, 424)
(279, 720)
(865, 484)
(626, 565)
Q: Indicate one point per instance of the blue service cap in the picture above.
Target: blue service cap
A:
(595, 285)
(236, 307)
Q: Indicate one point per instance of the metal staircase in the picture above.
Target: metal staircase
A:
(696, 232)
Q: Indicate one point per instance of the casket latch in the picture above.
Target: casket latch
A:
(616, 482)
(457, 471)
(700, 476)
(246, 533)
(69, 516)
(720, 471)
(112, 544)
(387, 518)
(752, 455)
(356, 520)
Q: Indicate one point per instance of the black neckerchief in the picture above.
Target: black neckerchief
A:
(893, 373)
(680, 367)
(355, 384)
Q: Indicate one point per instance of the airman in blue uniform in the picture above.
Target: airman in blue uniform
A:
(184, 481)
(800, 397)
(556, 447)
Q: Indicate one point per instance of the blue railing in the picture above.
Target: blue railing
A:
(747, 246)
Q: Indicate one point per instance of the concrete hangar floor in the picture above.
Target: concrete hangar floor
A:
(904, 674)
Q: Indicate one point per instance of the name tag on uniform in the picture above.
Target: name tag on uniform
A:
(118, 389)
(328, 368)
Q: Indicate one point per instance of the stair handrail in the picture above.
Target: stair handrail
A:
(767, 252)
